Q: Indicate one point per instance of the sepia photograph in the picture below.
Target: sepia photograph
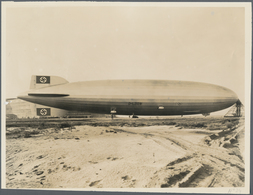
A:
(126, 96)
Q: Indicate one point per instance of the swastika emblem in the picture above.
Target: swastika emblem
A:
(43, 79)
(43, 112)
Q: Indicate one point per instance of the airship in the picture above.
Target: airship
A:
(129, 97)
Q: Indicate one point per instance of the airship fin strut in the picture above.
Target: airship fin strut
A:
(46, 81)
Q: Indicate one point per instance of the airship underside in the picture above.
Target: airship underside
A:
(127, 97)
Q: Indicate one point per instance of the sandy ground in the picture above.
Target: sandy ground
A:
(126, 157)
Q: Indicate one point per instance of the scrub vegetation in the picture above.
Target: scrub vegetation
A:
(29, 127)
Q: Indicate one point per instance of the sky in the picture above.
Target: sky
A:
(124, 41)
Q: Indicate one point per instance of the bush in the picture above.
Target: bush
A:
(78, 123)
(64, 125)
(230, 125)
(200, 125)
(27, 134)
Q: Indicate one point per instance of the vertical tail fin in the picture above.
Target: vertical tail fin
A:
(46, 81)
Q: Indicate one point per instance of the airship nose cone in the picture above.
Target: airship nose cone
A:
(233, 95)
(230, 96)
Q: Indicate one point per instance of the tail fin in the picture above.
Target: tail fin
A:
(46, 81)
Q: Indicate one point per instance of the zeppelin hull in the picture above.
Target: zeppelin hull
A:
(135, 97)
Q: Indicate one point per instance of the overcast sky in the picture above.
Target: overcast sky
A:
(204, 44)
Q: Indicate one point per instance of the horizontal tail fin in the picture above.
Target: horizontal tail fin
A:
(46, 81)
(48, 94)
